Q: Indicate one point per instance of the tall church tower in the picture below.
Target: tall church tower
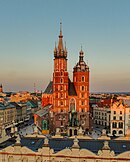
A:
(69, 100)
(81, 83)
(60, 84)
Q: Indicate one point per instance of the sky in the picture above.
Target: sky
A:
(29, 29)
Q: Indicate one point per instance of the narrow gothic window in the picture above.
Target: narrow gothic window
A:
(82, 102)
(61, 95)
(61, 103)
(61, 87)
(56, 95)
(82, 88)
(83, 78)
(82, 95)
(120, 125)
(61, 80)
(114, 125)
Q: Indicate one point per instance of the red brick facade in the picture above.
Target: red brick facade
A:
(70, 100)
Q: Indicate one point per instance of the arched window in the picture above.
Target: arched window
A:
(44, 125)
(83, 79)
(61, 95)
(120, 132)
(61, 103)
(114, 125)
(61, 80)
(82, 102)
(75, 132)
(82, 88)
(61, 87)
(82, 95)
(120, 125)
(114, 132)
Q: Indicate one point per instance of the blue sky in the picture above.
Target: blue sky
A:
(29, 29)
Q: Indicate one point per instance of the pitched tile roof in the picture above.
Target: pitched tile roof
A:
(44, 110)
(49, 89)
(71, 90)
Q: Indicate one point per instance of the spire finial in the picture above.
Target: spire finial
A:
(60, 25)
(60, 44)
(60, 29)
(81, 47)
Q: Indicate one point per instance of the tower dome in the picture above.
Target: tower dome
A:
(81, 65)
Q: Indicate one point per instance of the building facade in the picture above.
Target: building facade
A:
(69, 99)
(101, 116)
(74, 153)
(120, 119)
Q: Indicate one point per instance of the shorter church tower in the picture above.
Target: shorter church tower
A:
(81, 83)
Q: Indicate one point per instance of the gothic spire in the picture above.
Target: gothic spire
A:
(60, 51)
(60, 44)
(81, 54)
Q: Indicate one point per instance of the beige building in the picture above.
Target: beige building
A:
(73, 153)
(9, 115)
(120, 119)
(24, 111)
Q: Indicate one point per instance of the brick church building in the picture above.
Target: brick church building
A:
(69, 100)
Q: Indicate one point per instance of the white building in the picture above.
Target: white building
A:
(101, 115)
